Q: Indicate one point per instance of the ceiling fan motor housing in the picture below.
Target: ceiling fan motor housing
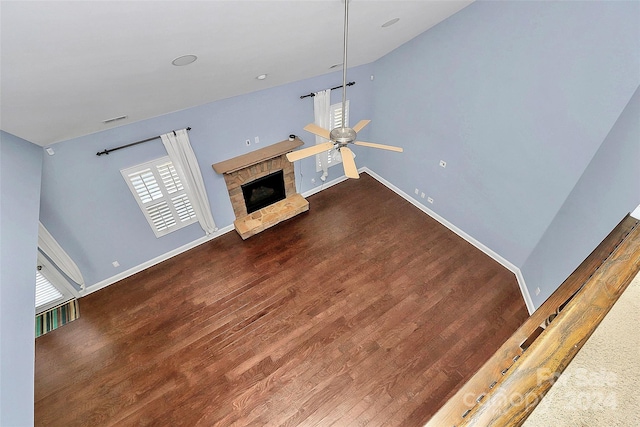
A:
(343, 136)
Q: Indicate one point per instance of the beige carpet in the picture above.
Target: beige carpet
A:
(601, 385)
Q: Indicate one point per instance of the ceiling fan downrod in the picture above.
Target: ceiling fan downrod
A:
(344, 60)
(344, 135)
(340, 137)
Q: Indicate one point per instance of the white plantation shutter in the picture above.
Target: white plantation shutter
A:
(45, 291)
(335, 120)
(161, 216)
(161, 195)
(336, 115)
(170, 178)
(183, 207)
(146, 186)
(51, 288)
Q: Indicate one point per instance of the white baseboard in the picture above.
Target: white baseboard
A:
(503, 261)
(324, 186)
(138, 268)
(524, 290)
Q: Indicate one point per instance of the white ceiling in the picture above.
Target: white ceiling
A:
(67, 66)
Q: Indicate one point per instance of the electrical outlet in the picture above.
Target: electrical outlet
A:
(430, 200)
(422, 195)
(537, 291)
(416, 191)
(313, 180)
(248, 142)
(115, 264)
(443, 164)
(256, 140)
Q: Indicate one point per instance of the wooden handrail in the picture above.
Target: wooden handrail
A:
(510, 384)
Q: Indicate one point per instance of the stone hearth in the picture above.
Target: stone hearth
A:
(257, 164)
(271, 215)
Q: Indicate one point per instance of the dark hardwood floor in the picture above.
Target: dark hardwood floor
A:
(362, 311)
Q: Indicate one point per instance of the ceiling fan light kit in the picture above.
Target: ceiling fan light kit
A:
(341, 136)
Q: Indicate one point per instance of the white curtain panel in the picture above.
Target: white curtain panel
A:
(321, 113)
(50, 247)
(184, 159)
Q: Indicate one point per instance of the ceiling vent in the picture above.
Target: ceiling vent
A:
(115, 119)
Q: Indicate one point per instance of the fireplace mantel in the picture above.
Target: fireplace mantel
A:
(252, 166)
(257, 156)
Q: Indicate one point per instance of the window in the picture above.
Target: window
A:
(45, 291)
(335, 120)
(51, 288)
(161, 195)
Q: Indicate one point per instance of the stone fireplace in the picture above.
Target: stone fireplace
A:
(264, 191)
(262, 187)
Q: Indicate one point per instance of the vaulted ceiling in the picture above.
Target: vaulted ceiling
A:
(68, 66)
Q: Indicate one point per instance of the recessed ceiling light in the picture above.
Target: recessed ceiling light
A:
(335, 66)
(390, 22)
(261, 77)
(184, 60)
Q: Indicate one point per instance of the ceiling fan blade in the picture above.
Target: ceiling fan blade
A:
(360, 125)
(309, 151)
(382, 146)
(349, 164)
(317, 130)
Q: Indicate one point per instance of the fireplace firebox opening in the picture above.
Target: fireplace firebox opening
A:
(264, 191)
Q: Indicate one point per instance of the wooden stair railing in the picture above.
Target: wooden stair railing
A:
(506, 389)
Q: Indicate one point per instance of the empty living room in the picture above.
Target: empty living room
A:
(319, 213)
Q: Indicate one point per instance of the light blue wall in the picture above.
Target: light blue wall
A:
(608, 190)
(90, 211)
(517, 97)
(20, 171)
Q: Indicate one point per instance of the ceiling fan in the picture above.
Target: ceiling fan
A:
(339, 138)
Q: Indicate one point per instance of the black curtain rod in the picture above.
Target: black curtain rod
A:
(131, 145)
(333, 88)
